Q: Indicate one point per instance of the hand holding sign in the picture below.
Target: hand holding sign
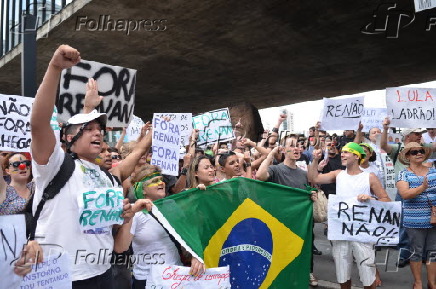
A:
(197, 268)
(31, 254)
(364, 198)
(65, 57)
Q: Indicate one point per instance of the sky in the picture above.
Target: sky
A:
(307, 113)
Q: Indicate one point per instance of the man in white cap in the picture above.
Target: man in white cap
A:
(393, 150)
(60, 222)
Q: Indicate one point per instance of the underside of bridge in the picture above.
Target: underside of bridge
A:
(218, 53)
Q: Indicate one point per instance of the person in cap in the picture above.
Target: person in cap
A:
(351, 182)
(393, 150)
(60, 222)
(417, 186)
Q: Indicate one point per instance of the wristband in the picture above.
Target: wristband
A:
(184, 171)
(275, 129)
(247, 164)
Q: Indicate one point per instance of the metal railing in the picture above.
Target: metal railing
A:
(10, 18)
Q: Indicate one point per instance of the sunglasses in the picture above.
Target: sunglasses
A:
(17, 164)
(415, 152)
(116, 157)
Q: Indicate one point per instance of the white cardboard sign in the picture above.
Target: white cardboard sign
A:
(369, 222)
(116, 84)
(172, 276)
(411, 107)
(342, 114)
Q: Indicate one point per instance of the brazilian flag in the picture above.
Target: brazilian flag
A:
(263, 231)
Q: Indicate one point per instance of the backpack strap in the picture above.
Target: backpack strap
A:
(114, 179)
(54, 186)
(396, 154)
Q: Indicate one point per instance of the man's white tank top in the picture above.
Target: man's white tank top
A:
(348, 186)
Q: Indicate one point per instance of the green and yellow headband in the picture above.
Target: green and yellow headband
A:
(353, 151)
(138, 186)
(356, 149)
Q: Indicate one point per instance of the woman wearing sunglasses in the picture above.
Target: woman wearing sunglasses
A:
(417, 186)
(14, 197)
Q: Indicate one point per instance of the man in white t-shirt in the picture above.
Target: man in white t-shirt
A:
(62, 220)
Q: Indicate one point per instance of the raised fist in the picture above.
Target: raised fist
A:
(65, 57)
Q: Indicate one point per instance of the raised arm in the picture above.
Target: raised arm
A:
(359, 135)
(314, 176)
(384, 137)
(43, 139)
(126, 167)
(262, 173)
(121, 139)
(92, 99)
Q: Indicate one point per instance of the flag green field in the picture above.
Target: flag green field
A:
(263, 231)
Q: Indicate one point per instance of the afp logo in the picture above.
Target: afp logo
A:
(388, 20)
(248, 250)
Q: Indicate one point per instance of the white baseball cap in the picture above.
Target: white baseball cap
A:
(87, 117)
(408, 131)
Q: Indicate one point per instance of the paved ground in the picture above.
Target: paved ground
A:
(391, 278)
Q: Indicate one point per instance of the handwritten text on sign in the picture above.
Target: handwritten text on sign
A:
(389, 174)
(344, 113)
(213, 125)
(169, 277)
(372, 221)
(134, 129)
(183, 120)
(101, 207)
(411, 107)
(116, 84)
(52, 273)
(15, 122)
(166, 150)
(12, 238)
(373, 117)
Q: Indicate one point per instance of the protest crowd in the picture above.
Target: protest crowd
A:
(361, 164)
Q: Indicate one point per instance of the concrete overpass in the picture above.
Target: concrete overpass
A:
(217, 53)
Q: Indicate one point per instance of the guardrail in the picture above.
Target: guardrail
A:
(10, 18)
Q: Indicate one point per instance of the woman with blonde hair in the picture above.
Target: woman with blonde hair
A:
(417, 186)
(147, 236)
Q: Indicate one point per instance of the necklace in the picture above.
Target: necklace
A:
(421, 173)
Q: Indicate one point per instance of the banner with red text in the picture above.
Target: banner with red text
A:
(411, 107)
(172, 276)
